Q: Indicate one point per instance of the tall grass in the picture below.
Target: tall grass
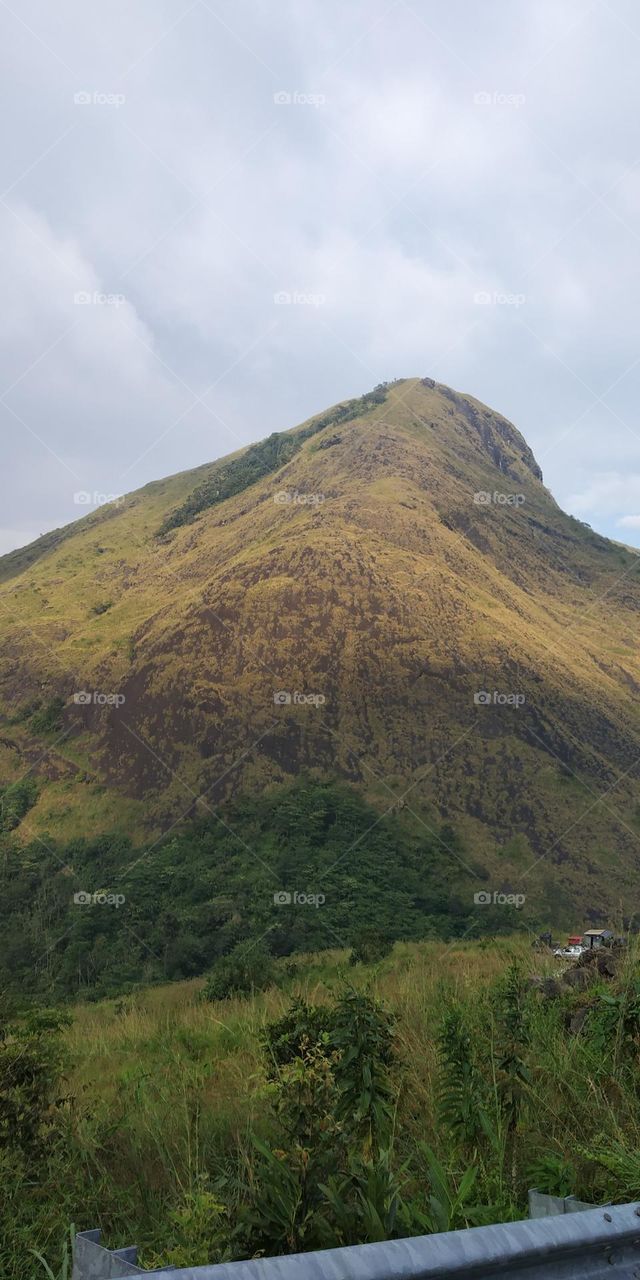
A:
(166, 1095)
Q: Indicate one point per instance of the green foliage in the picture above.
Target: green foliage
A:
(365, 1204)
(614, 1025)
(461, 1090)
(249, 967)
(356, 1036)
(301, 1028)
(206, 1139)
(15, 801)
(512, 1073)
(198, 1230)
(451, 1203)
(370, 947)
(25, 711)
(64, 1270)
(31, 1062)
(621, 1167)
(552, 1174)
(207, 888)
(263, 459)
(329, 1179)
(48, 718)
(362, 1035)
(333, 1179)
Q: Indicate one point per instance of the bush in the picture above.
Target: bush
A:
(25, 711)
(15, 801)
(330, 1180)
(31, 1061)
(48, 719)
(370, 947)
(303, 1027)
(249, 967)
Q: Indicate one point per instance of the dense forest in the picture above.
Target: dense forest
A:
(299, 868)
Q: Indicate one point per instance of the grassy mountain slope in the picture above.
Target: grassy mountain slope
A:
(381, 585)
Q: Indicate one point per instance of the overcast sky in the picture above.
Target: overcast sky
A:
(440, 189)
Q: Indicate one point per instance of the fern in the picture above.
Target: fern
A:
(460, 1090)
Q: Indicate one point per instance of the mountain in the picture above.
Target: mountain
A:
(387, 596)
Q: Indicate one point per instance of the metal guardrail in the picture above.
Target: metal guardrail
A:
(92, 1262)
(588, 1245)
(542, 1205)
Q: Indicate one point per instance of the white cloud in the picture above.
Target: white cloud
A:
(603, 500)
(397, 200)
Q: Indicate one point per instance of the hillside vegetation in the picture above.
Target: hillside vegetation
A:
(336, 600)
(302, 867)
(342, 1104)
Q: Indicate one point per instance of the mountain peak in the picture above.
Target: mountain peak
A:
(494, 434)
(394, 555)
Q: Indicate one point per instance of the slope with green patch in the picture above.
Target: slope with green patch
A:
(385, 590)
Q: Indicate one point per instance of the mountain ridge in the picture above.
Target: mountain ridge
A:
(416, 561)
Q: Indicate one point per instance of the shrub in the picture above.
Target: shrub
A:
(48, 719)
(15, 801)
(304, 1026)
(370, 947)
(249, 967)
(25, 711)
(31, 1061)
(330, 1181)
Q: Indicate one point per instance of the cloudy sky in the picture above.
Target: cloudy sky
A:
(220, 216)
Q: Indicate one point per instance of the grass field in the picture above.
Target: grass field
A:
(489, 1093)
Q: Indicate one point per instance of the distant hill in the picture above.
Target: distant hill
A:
(379, 567)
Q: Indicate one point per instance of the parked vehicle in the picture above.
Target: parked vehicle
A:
(597, 938)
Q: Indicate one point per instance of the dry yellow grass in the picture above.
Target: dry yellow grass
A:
(167, 1029)
(397, 598)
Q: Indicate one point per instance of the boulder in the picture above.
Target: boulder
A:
(608, 963)
(550, 988)
(578, 1018)
(577, 979)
